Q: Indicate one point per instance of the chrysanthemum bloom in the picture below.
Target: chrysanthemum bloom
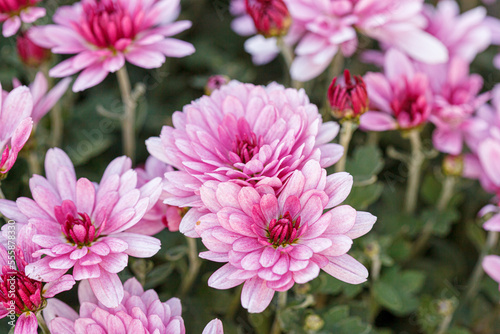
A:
(30, 53)
(14, 12)
(243, 23)
(140, 312)
(244, 133)
(20, 296)
(464, 35)
(160, 215)
(105, 33)
(44, 100)
(271, 242)
(83, 226)
(15, 125)
(349, 99)
(271, 17)
(400, 98)
(331, 27)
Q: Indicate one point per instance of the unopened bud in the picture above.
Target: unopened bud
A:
(453, 165)
(313, 323)
(271, 17)
(215, 82)
(350, 99)
(30, 53)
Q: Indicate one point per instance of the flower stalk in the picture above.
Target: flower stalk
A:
(416, 161)
(194, 266)
(128, 120)
(41, 323)
(282, 298)
(348, 128)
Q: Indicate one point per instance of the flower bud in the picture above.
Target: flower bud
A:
(348, 100)
(215, 82)
(313, 322)
(30, 53)
(453, 165)
(271, 17)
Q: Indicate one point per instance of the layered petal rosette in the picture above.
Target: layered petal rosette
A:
(14, 12)
(22, 297)
(106, 33)
(401, 98)
(245, 133)
(15, 125)
(83, 226)
(140, 312)
(271, 242)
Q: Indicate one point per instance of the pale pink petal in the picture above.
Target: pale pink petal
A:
(255, 295)
(347, 269)
(108, 289)
(377, 121)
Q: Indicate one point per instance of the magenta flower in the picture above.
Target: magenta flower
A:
(400, 98)
(105, 33)
(245, 133)
(20, 296)
(44, 101)
(140, 312)
(270, 17)
(348, 99)
(271, 242)
(84, 226)
(14, 12)
(455, 101)
(160, 215)
(464, 35)
(331, 27)
(15, 125)
(30, 53)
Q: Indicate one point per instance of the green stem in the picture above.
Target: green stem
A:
(444, 199)
(56, 120)
(235, 303)
(415, 165)
(128, 120)
(288, 56)
(348, 128)
(445, 324)
(33, 162)
(41, 323)
(282, 297)
(478, 272)
(2, 196)
(194, 266)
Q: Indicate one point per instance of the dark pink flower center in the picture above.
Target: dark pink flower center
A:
(410, 105)
(285, 231)
(14, 7)
(106, 22)
(19, 292)
(247, 145)
(80, 231)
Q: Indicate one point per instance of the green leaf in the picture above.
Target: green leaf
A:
(366, 162)
(387, 295)
(362, 197)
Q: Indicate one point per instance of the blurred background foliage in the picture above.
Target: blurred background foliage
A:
(408, 291)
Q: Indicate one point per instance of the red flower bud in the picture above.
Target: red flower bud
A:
(271, 17)
(349, 100)
(30, 53)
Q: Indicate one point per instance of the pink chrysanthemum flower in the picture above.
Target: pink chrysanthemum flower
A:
(106, 33)
(140, 312)
(464, 35)
(44, 100)
(83, 226)
(331, 27)
(15, 125)
(14, 12)
(455, 101)
(491, 265)
(161, 215)
(401, 98)
(244, 133)
(20, 296)
(271, 242)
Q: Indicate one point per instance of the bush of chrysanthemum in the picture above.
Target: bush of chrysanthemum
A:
(249, 166)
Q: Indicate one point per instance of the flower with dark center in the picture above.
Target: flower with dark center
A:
(245, 147)
(78, 230)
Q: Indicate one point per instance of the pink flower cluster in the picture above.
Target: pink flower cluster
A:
(250, 165)
(14, 12)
